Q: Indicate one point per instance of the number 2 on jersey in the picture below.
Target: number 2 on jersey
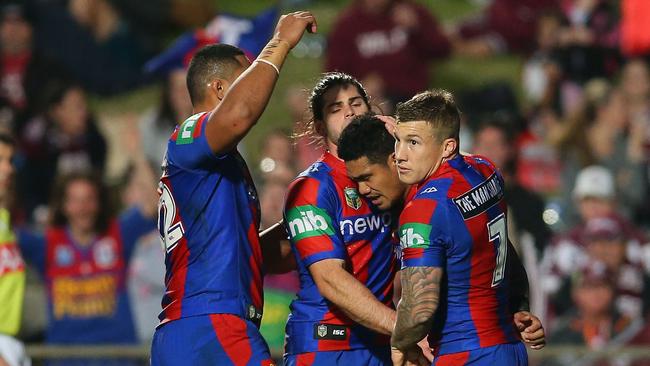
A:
(499, 235)
(171, 229)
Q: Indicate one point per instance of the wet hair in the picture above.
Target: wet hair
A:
(210, 62)
(313, 128)
(58, 217)
(366, 135)
(436, 107)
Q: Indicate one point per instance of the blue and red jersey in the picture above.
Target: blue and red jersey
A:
(457, 221)
(326, 218)
(86, 284)
(208, 222)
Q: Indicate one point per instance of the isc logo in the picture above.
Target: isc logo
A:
(338, 332)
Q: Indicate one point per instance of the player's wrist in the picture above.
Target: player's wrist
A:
(274, 53)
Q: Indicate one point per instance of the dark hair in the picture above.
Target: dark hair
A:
(212, 61)
(506, 128)
(437, 107)
(56, 90)
(366, 135)
(313, 127)
(58, 217)
(166, 117)
(7, 139)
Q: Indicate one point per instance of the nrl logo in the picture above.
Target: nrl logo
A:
(322, 330)
(352, 198)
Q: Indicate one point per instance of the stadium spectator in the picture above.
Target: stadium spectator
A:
(12, 267)
(64, 138)
(106, 56)
(504, 26)
(23, 67)
(307, 150)
(541, 73)
(593, 322)
(387, 40)
(83, 257)
(493, 140)
(590, 33)
(594, 195)
(159, 122)
(147, 268)
(277, 158)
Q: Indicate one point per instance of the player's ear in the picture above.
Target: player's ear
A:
(219, 88)
(449, 147)
(390, 161)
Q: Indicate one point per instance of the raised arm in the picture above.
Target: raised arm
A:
(249, 94)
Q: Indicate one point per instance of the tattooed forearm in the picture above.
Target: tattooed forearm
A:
(274, 46)
(420, 295)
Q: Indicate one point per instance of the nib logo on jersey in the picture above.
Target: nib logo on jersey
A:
(307, 221)
(414, 235)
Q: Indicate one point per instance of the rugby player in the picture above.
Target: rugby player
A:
(209, 210)
(455, 282)
(344, 312)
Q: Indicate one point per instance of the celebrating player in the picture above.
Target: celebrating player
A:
(454, 244)
(343, 313)
(367, 148)
(209, 212)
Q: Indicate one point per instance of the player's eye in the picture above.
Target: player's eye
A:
(356, 104)
(413, 142)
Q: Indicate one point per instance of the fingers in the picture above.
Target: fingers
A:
(389, 122)
(309, 19)
(533, 325)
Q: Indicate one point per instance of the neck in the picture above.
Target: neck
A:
(332, 148)
(440, 163)
(80, 236)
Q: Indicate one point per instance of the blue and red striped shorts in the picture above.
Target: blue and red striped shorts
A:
(510, 354)
(215, 339)
(379, 356)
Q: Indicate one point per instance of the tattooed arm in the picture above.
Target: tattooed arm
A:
(243, 100)
(420, 297)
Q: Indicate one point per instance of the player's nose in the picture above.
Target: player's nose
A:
(364, 189)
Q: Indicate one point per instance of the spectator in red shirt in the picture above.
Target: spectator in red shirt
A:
(389, 39)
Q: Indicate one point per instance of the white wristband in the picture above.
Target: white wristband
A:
(268, 63)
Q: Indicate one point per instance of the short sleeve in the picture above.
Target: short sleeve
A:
(188, 146)
(308, 216)
(133, 225)
(32, 248)
(422, 237)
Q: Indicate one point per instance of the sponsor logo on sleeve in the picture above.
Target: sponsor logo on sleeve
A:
(307, 221)
(186, 130)
(414, 235)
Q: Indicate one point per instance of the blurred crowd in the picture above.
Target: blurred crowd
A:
(574, 147)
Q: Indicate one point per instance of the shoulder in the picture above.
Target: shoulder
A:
(310, 185)
(189, 129)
